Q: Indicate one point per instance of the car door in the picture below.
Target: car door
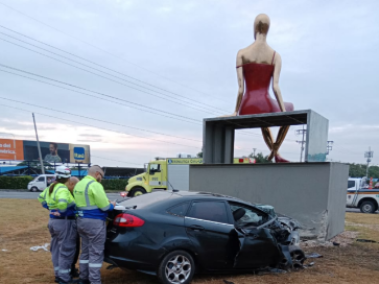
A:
(212, 234)
(258, 248)
(155, 175)
(41, 182)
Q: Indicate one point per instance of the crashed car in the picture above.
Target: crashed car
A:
(175, 234)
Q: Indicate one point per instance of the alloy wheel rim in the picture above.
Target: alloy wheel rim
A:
(178, 269)
(367, 208)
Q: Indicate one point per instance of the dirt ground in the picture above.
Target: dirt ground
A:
(23, 225)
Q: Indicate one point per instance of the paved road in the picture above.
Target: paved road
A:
(34, 195)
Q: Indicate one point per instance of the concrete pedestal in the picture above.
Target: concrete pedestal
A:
(218, 133)
(312, 193)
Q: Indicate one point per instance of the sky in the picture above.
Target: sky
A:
(135, 79)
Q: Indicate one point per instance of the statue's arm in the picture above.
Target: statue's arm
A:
(275, 81)
(240, 82)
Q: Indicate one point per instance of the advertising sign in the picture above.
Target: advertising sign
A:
(52, 152)
(11, 149)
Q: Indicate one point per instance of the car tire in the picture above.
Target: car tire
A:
(136, 191)
(367, 206)
(177, 267)
(34, 189)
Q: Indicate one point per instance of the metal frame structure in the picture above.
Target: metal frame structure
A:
(219, 133)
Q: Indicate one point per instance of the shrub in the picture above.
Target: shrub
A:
(20, 182)
(114, 184)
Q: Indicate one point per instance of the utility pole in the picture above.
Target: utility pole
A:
(329, 147)
(302, 142)
(254, 149)
(38, 146)
(369, 155)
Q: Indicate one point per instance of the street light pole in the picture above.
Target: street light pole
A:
(38, 146)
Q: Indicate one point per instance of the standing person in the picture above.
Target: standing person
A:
(93, 206)
(70, 183)
(74, 271)
(62, 225)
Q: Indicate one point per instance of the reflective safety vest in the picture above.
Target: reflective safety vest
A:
(60, 200)
(91, 200)
(42, 198)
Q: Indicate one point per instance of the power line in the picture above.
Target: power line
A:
(202, 107)
(94, 63)
(99, 93)
(109, 53)
(199, 122)
(100, 120)
(107, 129)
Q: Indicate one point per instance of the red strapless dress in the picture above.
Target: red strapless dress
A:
(256, 98)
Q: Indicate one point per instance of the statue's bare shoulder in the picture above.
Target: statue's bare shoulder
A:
(256, 54)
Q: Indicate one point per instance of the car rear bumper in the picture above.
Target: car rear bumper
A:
(120, 255)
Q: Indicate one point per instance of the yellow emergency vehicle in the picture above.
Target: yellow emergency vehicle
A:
(168, 173)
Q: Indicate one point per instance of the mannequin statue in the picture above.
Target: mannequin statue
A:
(256, 65)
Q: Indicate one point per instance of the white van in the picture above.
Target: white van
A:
(40, 182)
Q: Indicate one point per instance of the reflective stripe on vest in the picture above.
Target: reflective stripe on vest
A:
(88, 205)
(56, 191)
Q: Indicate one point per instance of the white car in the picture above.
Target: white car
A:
(359, 196)
(40, 182)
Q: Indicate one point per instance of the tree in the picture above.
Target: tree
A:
(259, 158)
(200, 154)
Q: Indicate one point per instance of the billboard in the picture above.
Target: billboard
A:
(52, 152)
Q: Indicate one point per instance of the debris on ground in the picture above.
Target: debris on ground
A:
(44, 247)
(313, 255)
(228, 282)
(365, 241)
(5, 250)
(309, 264)
(343, 239)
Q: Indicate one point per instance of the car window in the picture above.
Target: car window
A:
(41, 179)
(209, 210)
(179, 210)
(155, 167)
(351, 183)
(245, 216)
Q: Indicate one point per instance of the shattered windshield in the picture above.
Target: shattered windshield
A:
(246, 216)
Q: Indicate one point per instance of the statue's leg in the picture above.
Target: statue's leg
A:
(267, 136)
(283, 130)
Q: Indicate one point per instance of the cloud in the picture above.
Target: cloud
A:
(188, 50)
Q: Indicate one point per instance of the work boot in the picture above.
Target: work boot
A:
(72, 281)
(74, 273)
(83, 281)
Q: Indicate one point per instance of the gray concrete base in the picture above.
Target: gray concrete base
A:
(312, 193)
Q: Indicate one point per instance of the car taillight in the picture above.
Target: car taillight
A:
(127, 220)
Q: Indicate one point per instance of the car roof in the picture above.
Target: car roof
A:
(205, 195)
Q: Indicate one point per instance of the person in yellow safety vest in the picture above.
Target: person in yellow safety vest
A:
(92, 206)
(71, 182)
(62, 225)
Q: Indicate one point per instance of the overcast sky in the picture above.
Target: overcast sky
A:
(180, 55)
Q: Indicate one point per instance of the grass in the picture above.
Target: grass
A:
(23, 224)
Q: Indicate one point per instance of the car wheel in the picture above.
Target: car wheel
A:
(137, 191)
(367, 207)
(34, 189)
(177, 267)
